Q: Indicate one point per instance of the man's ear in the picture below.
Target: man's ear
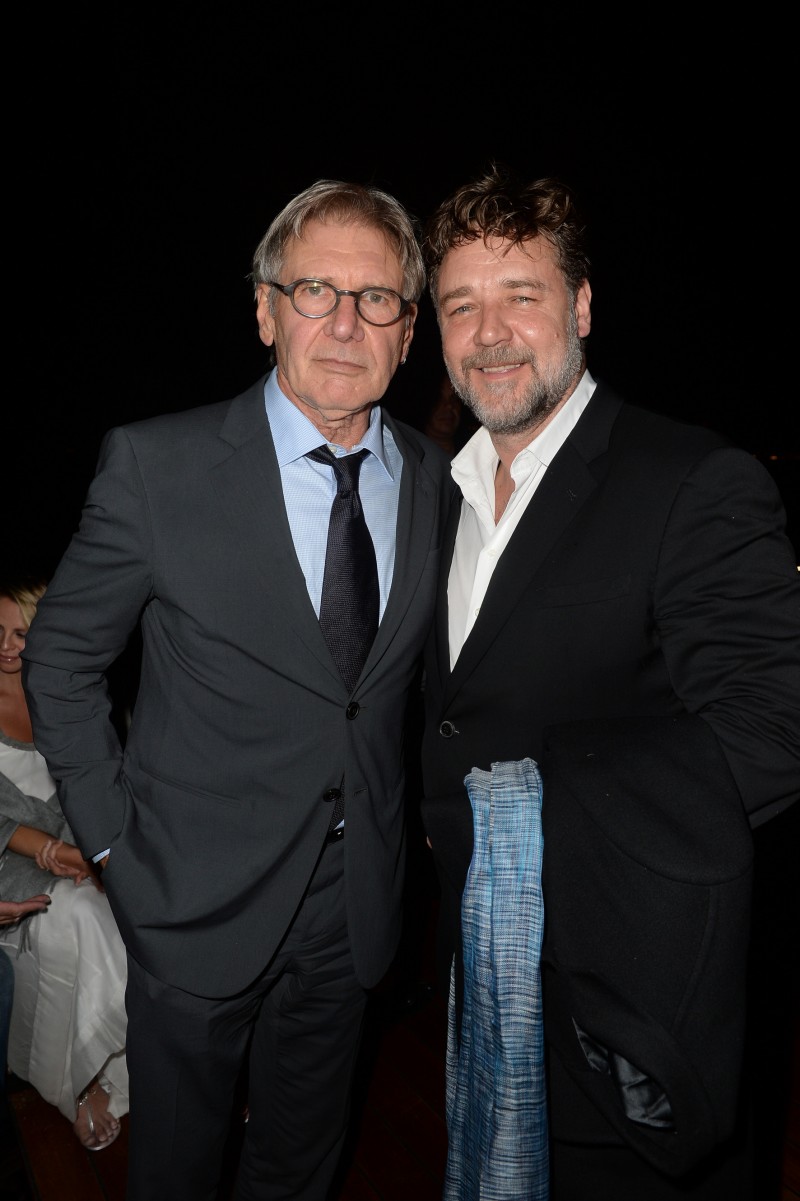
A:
(408, 333)
(583, 309)
(266, 322)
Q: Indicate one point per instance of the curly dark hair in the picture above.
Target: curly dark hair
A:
(499, 205)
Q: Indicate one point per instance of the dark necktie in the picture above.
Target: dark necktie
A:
(348, 614)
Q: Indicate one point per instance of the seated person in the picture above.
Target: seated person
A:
(68, 1022)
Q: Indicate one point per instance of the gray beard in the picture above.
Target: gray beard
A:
(542, 396)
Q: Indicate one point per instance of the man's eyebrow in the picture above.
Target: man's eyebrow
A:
(532, 282)
(511, 284)
(456, 294)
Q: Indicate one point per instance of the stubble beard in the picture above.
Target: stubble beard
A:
(516, 415)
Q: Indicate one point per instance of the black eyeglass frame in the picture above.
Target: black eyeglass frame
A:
(289, 289)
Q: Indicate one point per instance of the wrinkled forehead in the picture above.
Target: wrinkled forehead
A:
(332, 245)
(494, 259)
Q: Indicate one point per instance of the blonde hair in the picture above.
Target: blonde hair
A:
(26, 595)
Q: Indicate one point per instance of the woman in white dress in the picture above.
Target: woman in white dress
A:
(68, 1022)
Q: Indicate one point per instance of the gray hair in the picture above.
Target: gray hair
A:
(348, 204)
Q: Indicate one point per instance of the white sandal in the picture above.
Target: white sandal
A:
(85, 1103)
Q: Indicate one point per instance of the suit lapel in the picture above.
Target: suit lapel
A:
(441, 621)
(248, 483)
(416, 521)
(567, 485)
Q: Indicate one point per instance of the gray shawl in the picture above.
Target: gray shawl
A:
(19, 876)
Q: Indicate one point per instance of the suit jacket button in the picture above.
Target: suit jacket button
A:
(447, 729)
(331, 794)
(352, 710)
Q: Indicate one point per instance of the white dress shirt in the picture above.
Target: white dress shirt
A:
(480, 541)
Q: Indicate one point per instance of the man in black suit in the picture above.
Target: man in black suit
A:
(618, 601)
(254, 921)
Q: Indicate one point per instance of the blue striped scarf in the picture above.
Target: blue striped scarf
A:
(496, 1100)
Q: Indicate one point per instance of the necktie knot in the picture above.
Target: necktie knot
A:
(347, 470)
(348, 467)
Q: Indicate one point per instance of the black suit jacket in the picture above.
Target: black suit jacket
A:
(216, 812)
(650, 577)
(647, 874)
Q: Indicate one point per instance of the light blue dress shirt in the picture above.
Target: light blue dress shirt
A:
(309, 488)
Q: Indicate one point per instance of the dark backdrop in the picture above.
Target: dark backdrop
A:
(165, 145)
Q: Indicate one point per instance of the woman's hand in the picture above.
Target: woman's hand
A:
(12, 911)
(63, 859)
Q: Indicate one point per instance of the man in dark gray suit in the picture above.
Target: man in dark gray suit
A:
(254, 922)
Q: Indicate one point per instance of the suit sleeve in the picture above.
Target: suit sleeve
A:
(727, 600)
(82, 625)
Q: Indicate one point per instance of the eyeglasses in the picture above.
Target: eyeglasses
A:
(314, 298)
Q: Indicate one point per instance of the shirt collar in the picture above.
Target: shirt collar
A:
(294, 435)
(479, 455)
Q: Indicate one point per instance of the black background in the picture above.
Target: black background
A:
(164, 146)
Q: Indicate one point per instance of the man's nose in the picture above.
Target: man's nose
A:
(344, 322)
(492, 326)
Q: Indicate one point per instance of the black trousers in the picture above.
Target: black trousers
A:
(298, 1028)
